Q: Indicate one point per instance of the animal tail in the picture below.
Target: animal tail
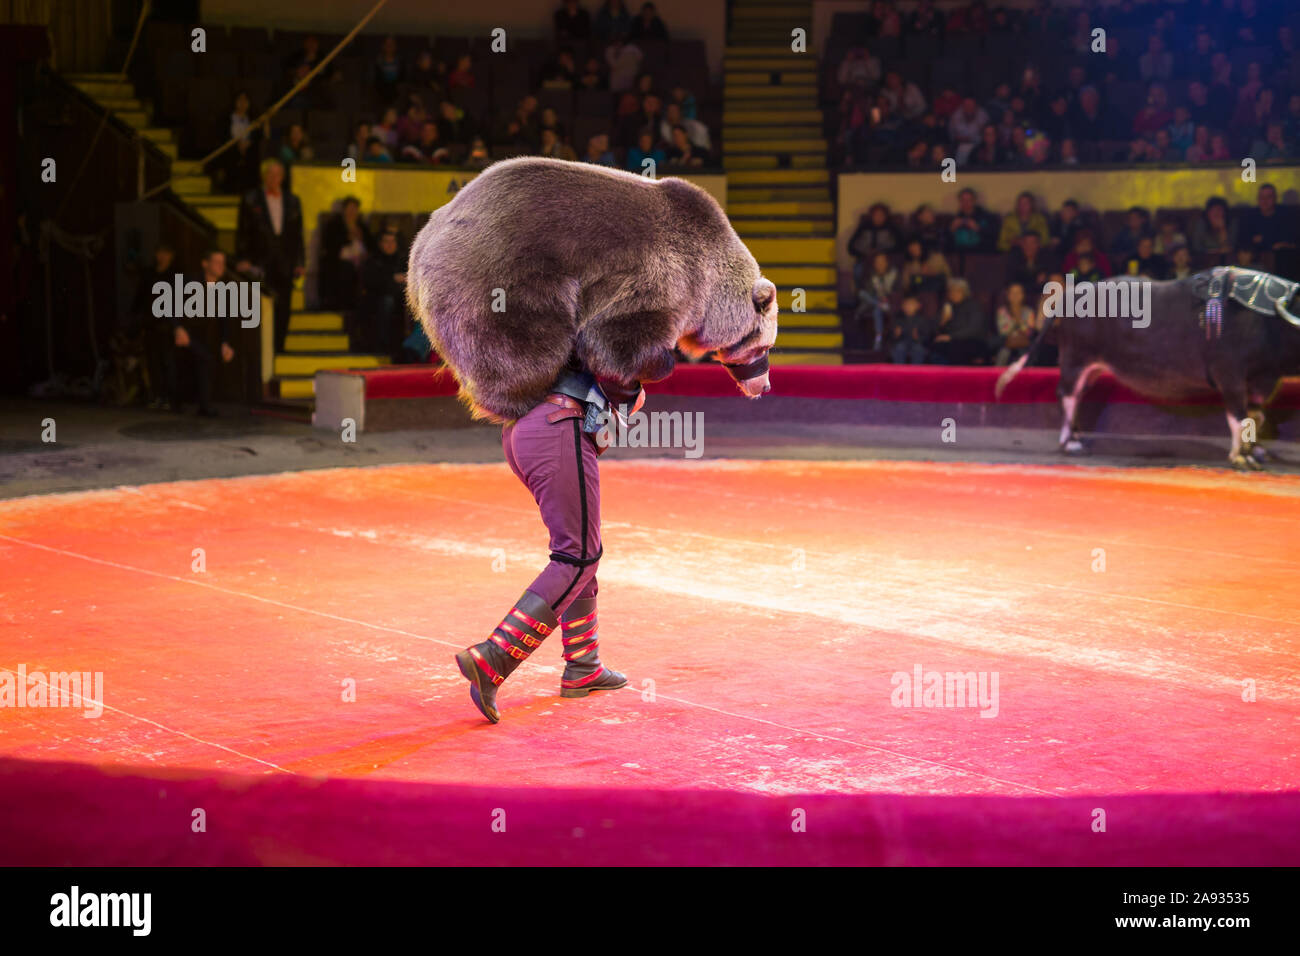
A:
(1015, 367)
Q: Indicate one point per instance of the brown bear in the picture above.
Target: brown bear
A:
(553, 290)
(538, 260)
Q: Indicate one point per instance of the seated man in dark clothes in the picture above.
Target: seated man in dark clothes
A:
(1268, 226)
(190, 360)
(1028, 263)
(964, 330)
(383, 300)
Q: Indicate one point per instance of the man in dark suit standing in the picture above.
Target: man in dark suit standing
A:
(269, 241)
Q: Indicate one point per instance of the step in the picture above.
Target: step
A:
(743, 146)
(809, 340)
(802, 358)
(742, 93)
(825, 321)
(735, 208)
(310, 364)
(223, 218)
(125, 104)
(105, 89)
(187, 167)
(772, 119)
(168, 149)
(782, 103)
(744, 161)
(779, 177)
(777, 194)
(800, 277)
(215, 199)
(784, 58)
(793, 251)
(754, 228)
(820, 302)
(138, 119)
(762, 11)
(191, 185)
(298, 302)
(160, 136)
(315, 321)
(316, 342)
(297, 386)
(800, 80)
(754, 50)
(747, 134)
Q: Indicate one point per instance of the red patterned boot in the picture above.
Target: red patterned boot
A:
(583, 671)
(520, 633)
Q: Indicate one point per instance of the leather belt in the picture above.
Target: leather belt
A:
(570, 407)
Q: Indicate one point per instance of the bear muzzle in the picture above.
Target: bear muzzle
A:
(752, 377)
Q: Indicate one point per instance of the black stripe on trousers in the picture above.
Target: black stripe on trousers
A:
(582, 493)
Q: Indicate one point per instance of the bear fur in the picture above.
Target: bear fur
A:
(585, 262)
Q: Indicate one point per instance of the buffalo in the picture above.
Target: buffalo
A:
(1229, 329)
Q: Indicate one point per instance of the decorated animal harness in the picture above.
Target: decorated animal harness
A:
(1260, 292)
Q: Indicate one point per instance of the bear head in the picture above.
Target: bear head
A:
(736, 308)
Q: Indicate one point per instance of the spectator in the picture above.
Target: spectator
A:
(875, 291)
(643, 150)
(593, 76)
(1047, 353)
(294, 149)
(1157, 64)
(1085, 245)
(1137, 223)
(685, 101)
(572, 22)
(963, 336)
(1064, 224)
(684, 153)
(904, 98)
(1273, 148)
(912, 332)
(965, 126)
(521, 132)
(999, 103)
(561, 73)
(554, 147)
(455, 127)
(598, 151)
(1198, 104)
(1069, 153)
(1266, 227)
(360, 138)
(648, 26)
(388, 130)
(1180, 262)
(875, 233)
(427, 73)
(551, 120)
(612, 20)
(624, 60)
(382, 307)
(428, 148)
(1145, 262)
(1056, 122)
(412, 121)
(1169, 233)
(926, 20)
(389, 71)
(911, 278)
(1027, 218)
(1212, 233)
(237, 169)
(157, 332)
(190, 345)
(269, 242)
(345, 243)
(1015, 322)
(972, 228)
(859, 68)
(696, 131)
(1182, 131)
(479, 157)
(1155, 114)
(462, 77)
(376, 151)
(1028, 262)
(925, 226)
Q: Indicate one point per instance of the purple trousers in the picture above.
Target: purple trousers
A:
(556, 461)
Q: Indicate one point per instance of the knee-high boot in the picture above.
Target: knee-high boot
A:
(583, 671)
(487, 664)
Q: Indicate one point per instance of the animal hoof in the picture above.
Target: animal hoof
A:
(1260, 453)
(1074, 447)
(1243, 462)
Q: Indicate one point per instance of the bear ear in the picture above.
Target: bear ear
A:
(764, 293)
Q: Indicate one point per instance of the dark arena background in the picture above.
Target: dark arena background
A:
(892, 612)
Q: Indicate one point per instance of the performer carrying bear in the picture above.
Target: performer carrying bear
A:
(553, 290)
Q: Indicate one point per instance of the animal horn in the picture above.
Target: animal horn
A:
(1282, 311)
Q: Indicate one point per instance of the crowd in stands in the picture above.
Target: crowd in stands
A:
(1002, 87)
(607, 88)
(966, 287)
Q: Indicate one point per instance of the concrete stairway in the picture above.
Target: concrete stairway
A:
(778, 183)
